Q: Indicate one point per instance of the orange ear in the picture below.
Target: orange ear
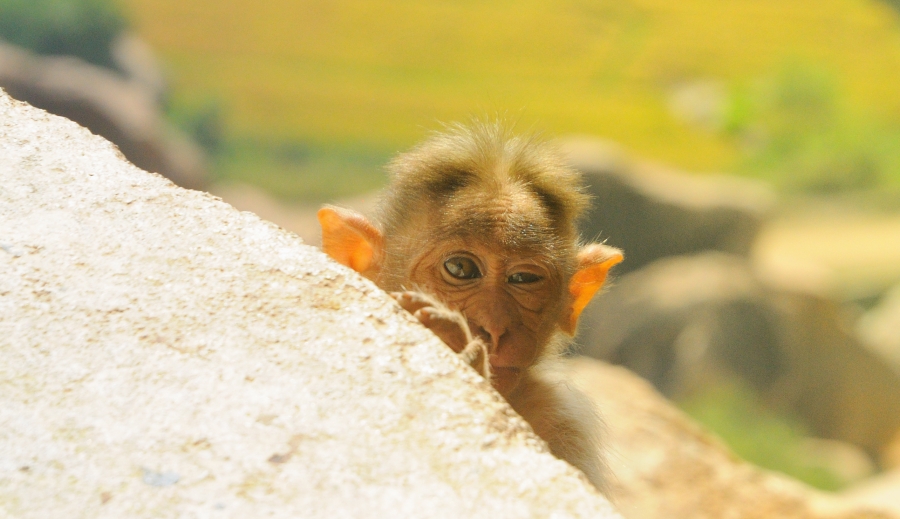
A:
(594, 262)
(351, 239)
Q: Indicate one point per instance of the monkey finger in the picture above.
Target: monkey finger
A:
(413, 301)
(475, 354)
(446, 325)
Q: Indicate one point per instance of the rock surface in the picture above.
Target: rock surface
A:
(880, 491)
(669, 468)
(879, 328)
(125, 112)
(164, 355)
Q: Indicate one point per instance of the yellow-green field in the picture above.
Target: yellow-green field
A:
(380, 74)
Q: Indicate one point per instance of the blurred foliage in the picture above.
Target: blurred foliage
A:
(299, 171)
(798, 132)
(202, 119)
(83, 28)
(758, 434)
(290, 169)
(893, 3)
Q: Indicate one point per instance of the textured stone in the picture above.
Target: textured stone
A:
(164, 355)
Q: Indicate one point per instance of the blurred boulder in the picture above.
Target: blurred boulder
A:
(108, 105)
(680, 321)
(847, 463)
(832, 249)
(839, 386)
(667, 467)
(134, 58)
(891, 457)
(879, 328)
(686, 322)
(298, 218)
(652, 212)
(881, 491)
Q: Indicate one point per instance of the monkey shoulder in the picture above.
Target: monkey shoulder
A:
(564, 417)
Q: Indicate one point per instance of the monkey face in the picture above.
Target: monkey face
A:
(484, 224)
(475, 238)
(511, 300)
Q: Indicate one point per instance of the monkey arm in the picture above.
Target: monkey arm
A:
(449, 325)
(564, 418)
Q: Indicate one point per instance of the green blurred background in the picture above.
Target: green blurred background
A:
(308, 99)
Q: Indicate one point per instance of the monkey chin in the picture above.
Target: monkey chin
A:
(505, 380)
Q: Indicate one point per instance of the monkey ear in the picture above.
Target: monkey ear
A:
(594, 262)
(351, 239)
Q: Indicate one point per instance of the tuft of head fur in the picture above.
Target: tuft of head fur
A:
(483, 157)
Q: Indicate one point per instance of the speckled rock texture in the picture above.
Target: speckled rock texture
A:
(164, 355)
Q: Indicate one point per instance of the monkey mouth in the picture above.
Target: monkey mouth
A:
(505, 379)
(504, 372)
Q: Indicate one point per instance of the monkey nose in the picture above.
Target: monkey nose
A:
(491, 335)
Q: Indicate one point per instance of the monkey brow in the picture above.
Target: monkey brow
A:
(445, 180)
(522, 235)
(552, 203)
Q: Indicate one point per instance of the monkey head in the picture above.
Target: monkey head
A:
(485, 223)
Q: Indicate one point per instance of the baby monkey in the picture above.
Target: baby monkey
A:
(476, 237)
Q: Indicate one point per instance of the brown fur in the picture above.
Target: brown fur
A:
(565, 419)
(505, 206)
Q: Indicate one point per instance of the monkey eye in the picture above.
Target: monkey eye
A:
(462, 267)
(523, 278)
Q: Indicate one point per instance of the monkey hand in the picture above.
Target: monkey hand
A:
(449, 325)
